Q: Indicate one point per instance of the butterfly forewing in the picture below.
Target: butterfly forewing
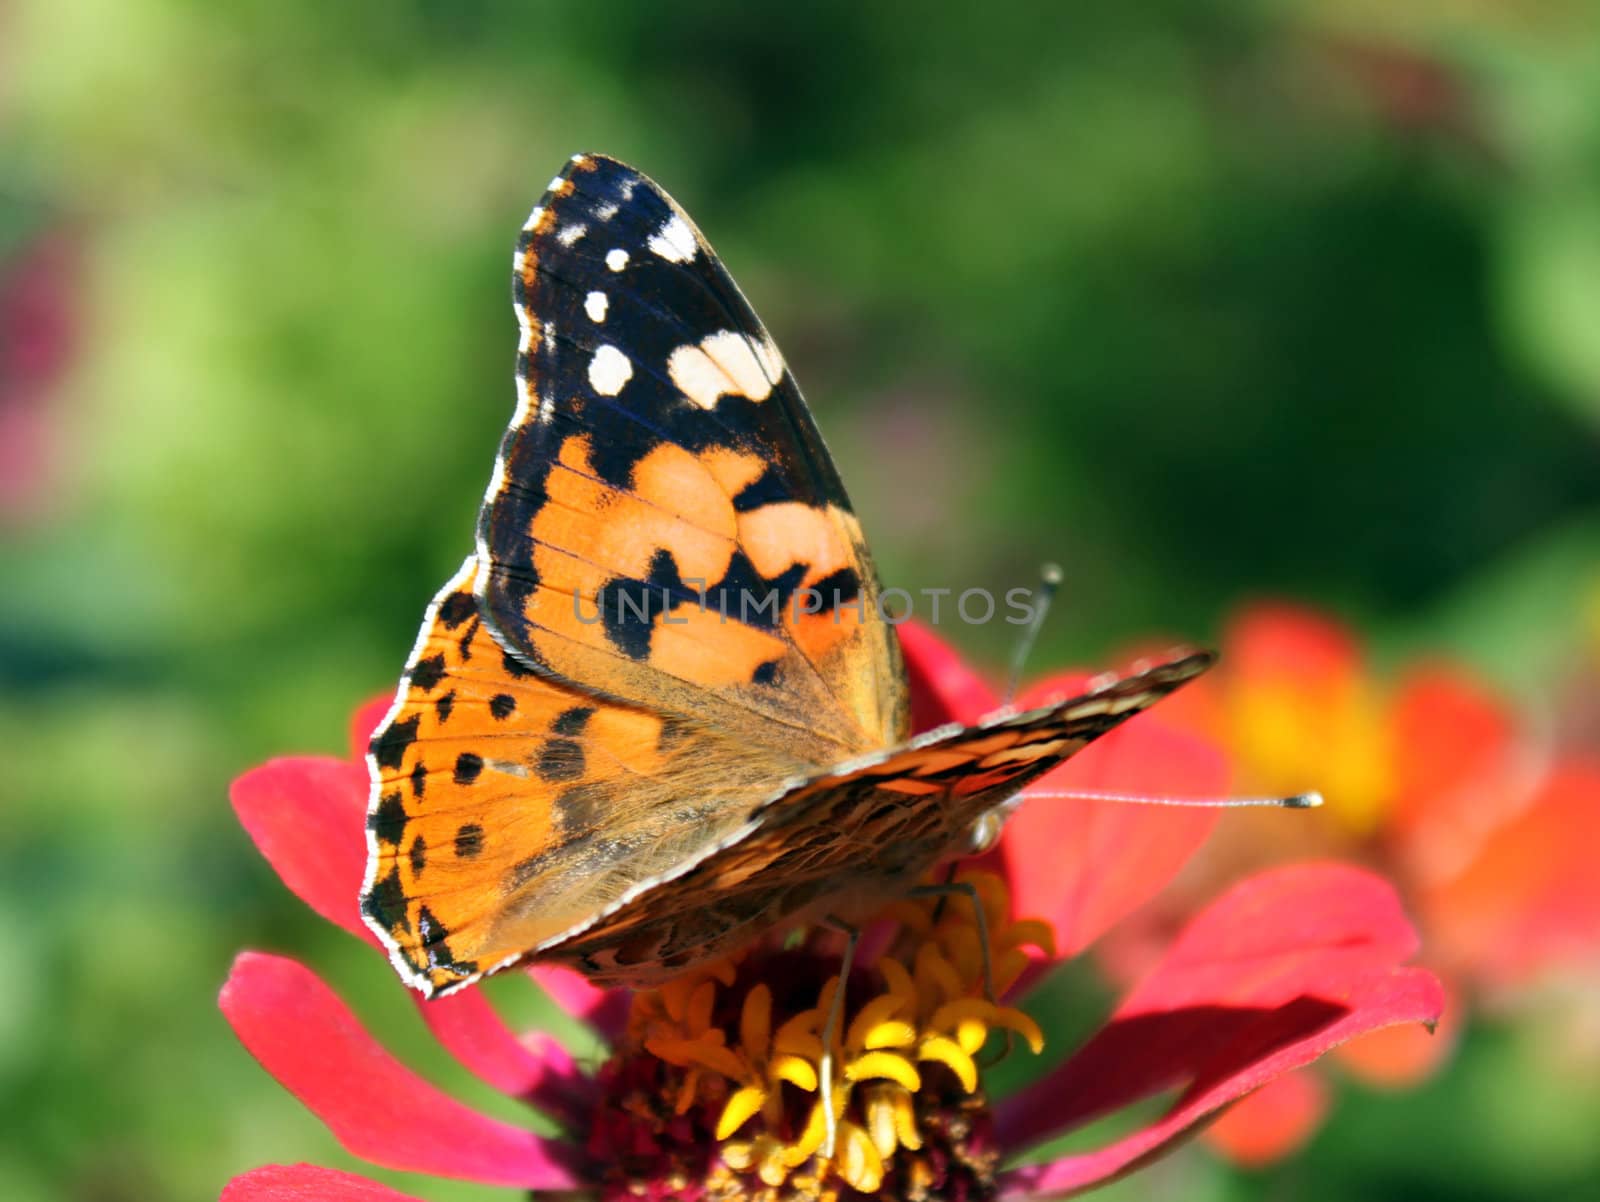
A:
(664, 521)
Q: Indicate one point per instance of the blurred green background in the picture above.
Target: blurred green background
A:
(1203, 301)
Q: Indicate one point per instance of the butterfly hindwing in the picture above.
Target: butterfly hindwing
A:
(842, 843)
(663, 513)
(507, 807)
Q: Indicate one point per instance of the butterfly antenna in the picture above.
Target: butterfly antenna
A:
(1298, 801)
(1049, 582)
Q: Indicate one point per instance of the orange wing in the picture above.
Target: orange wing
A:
(508, 809)
(663, 513)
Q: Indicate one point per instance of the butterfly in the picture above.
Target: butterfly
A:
(660, 711)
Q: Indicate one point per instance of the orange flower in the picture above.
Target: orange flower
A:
(1429, 777)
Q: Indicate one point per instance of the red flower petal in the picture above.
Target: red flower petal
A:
(1275, 640)
(473, 1032)
(1261, 1046)
(307, 1183)
(1449, 728)
(1275, 1120)
(1280, 969)
(1403, 1057)
(1058, 686)
(943, 688)
(1085, 864)
(606, 1010)
(1456, 771)
(364, 721)
(307, 817)
(307, 1038)
(1530, 899)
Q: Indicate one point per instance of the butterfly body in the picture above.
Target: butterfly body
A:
(659, 712)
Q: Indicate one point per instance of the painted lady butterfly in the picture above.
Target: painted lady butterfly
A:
(658, 711)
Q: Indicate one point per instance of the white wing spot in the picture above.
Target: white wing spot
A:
(725, 364)
(571, 233)
(533, 217)
(547, 408)
(674, 241)
(557, 185)
(605, 212)
(616, 259)
(609, 370)
(595, 306)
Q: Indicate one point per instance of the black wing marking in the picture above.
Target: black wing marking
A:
(635, 339)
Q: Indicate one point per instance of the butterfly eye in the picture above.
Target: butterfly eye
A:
(983, 834)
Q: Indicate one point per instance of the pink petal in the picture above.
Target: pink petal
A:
(606, 1010)
(943, 688)
(307, 1038)
(364, 721)
(42, 288)
(473, 1032)
(1283, 967)
(1085, 864)
(307, 817)
(1243, 1049)
(1276, 1120)
(307, 1183)
(1058, 686)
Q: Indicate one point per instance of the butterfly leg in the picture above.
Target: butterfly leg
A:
(966, 889)
(942, 891)
(980, 920)
(830, 1033)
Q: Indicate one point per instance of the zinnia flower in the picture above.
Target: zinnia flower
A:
(1428, 779)
(711, 1086)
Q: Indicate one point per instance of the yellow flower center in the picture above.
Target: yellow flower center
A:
(1335, 738)
(742, 1045)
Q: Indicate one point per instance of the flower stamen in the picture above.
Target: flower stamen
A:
(868, 1078)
